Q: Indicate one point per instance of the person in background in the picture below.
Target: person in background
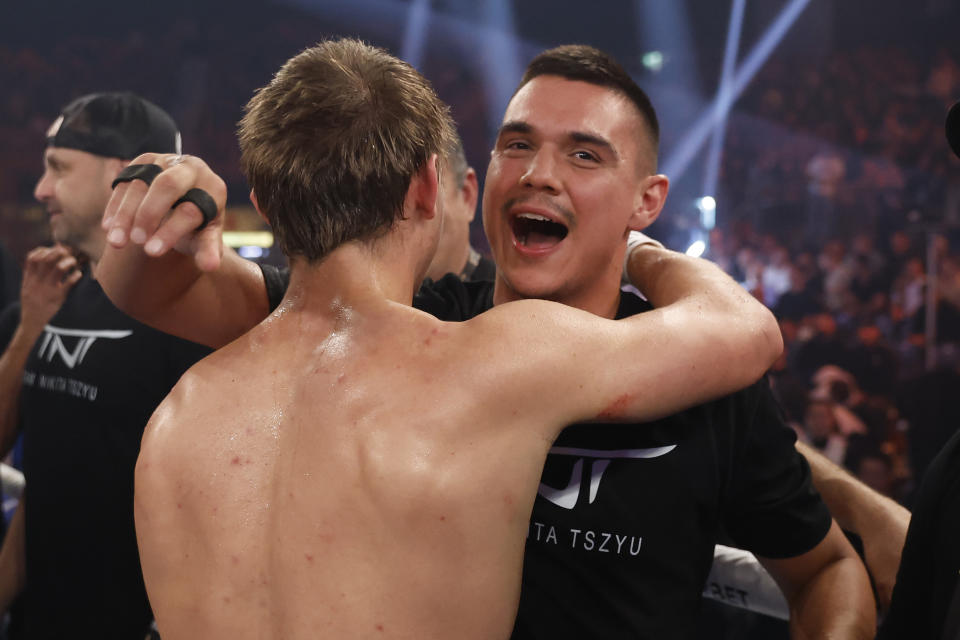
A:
(459, 201)
(79, 379)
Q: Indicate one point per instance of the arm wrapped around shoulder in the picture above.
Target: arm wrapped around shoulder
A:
(700, 292)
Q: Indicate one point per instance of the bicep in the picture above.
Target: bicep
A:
(794, 573)
(570, 365)
(828, 590)
(657, 363)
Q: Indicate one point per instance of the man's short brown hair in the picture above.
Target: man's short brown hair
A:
(330, 145)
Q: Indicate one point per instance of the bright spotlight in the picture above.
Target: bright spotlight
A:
(708, 211)
(696, 249)
(250, 253)
(653, 60)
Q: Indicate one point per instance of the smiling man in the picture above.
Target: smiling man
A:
(622, 534)
(573, 168)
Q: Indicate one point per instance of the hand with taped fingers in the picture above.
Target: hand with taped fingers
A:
(148, 207)
(48, 275)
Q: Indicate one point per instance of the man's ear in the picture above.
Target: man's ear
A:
(651, 196)
(470, 192)
(423, 192)
(256, 205)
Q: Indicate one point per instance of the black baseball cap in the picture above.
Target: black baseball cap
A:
(953, 128)
(115, 125)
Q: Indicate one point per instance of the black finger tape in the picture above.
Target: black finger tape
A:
(145, 172)
(199, 197)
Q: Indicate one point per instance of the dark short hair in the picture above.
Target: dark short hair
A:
(589, 64)
(330, 146)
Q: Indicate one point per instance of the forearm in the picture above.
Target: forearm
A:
(12, 364)
(880, 522)
(171, 294)
(855, 506)
(13, 565)
(141, 286)
(742, 330)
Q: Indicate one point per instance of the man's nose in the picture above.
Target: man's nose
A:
(541, 172)
(44, 189)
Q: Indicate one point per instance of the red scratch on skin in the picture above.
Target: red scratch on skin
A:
(235, 559)
(615, 410)
(433, 332)
(308, 557)
(380, 628)
(236, 460)
(443, 518)
(179, 506)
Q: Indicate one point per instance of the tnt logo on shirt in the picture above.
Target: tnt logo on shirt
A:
(55, 343)
(597, 461)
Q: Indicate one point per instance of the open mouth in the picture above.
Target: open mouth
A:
(537, 232)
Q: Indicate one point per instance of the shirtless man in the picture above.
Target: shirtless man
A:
(316, 493)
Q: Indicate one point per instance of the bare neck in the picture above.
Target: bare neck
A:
(354, 275)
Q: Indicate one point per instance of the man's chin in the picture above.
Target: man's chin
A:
(533, 285)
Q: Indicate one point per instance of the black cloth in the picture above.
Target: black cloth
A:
(622, 532)
(928, 577)
(9, 278)
(478, 268)
(90, 385)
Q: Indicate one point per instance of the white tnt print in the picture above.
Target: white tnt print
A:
(568, 496)
(53, 343)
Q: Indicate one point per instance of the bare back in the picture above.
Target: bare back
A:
(314, 480)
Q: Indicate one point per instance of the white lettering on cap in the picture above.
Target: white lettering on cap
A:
(55, 127)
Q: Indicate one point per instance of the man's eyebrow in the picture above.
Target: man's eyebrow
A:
(515, 126)
(595, 140)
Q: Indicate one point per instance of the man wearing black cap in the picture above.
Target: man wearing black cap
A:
(80, 380)
(926, 597)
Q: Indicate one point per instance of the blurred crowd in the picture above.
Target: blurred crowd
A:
(845, 221)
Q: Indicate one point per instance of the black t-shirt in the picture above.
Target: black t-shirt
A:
(622, 532)
(925, 603)
(89, 387)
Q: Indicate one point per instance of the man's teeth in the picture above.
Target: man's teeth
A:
(534, 216)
